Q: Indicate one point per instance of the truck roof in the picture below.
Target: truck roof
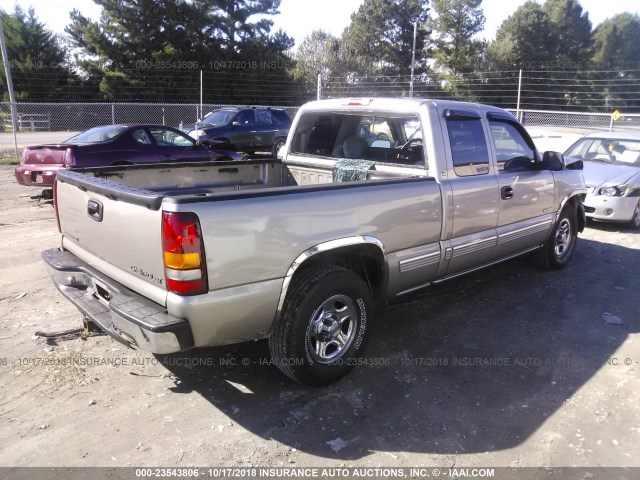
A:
(408, 105)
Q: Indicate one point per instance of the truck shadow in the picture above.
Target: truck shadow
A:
(476, 364)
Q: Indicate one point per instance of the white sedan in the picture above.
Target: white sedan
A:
(612, 175)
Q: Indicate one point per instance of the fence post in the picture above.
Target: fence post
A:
(519, 90)
(113, 114)
(319, 92)
(12, 99)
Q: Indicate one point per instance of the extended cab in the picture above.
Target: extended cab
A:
(369, 200)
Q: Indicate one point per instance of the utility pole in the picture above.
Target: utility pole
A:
(12, 98)
(413, 57)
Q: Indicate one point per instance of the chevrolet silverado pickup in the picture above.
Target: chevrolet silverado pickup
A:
(368, 200)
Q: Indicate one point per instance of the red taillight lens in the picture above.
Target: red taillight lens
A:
(183, 251)
(55, 203)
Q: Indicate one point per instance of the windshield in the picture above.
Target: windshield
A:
(219, 117)
(97, 134)
(606, 150)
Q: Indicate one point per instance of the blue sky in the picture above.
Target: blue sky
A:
(300, 17)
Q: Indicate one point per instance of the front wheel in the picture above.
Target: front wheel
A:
(559, 247)
(635, 220)
(324, 326)
(277, 145)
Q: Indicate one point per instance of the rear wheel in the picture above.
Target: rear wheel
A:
(324, 326)
(559, 247)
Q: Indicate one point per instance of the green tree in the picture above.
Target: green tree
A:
(155, 49)
(524, 40)
(379, 39)
(572, 32)
(616, 57)
(549, 42)
(39, 65)
(317, 54)
(454, 25)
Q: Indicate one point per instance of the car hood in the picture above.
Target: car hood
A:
(599, 173)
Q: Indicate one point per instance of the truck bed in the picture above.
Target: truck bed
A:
(149, 184)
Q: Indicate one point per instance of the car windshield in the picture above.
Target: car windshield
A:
(97, 134)
(607, 150)
(219, 117)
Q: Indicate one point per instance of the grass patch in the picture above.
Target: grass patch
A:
(8, 157)
(58, 368)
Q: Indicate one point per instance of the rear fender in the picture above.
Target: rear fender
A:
(335, 249)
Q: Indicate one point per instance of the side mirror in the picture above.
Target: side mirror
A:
(235, 124)
(281, 152)
(553, 161)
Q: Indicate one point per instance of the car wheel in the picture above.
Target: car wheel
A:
(324, 325)
(277, 145)
(635, 220)
(559, 247)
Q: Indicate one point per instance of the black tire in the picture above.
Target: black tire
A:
(313, 356)
(559, 247)
(635, 220)
(277, 145)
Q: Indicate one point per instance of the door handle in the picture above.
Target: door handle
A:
(95, 210)
(506, 193)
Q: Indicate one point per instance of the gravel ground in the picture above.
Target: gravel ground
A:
(511, 366)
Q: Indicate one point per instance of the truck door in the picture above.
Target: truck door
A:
(527, 194)
(474, 190)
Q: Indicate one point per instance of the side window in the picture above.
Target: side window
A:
(140, 136)
(169, 138)
(468, 146)
(245, 118)
(263, 117)
(280, 117)
(513, 151)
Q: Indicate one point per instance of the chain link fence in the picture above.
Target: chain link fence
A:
(54, 122)
(578, 120)
(74, 117)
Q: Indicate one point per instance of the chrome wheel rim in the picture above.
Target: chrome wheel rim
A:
(563, 238)
(636, 217)
(332, 329)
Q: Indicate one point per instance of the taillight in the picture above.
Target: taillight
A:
(55, 203)
(69, 158)
(183, 250)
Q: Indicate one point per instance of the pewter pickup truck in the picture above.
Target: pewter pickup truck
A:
(370, 199)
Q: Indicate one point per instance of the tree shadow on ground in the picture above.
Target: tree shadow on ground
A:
(473, 365)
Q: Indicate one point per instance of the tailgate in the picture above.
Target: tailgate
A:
(114, 228)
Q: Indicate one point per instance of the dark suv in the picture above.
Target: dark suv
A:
(245, 129)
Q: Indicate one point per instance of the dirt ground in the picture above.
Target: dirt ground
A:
(511, 366)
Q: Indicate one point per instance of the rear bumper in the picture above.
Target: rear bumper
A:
(36, 175)
(128, 317)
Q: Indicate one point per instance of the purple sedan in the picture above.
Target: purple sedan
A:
(115, 145)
